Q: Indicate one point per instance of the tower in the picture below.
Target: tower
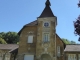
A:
(46, 34)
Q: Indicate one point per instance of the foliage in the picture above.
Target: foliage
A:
(10, 37)
(77, 26)
(2, 41)
(66, 41)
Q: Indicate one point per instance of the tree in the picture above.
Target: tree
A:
(77, 25)
(66, 41)
(2, 41)
(10, 37)
(72, 42)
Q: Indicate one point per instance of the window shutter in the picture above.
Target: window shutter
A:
(30, 39)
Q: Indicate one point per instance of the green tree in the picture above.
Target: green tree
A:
(2, 41)
(66, 41)
(10, 37)
(73, 42)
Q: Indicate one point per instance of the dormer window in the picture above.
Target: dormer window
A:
(46, 24)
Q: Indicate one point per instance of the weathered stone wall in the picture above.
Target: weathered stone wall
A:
(41, 46)
(60, 43)
(24, 47)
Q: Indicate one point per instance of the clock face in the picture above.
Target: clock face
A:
(46, 24)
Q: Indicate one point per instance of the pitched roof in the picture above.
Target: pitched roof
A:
(47, 12)
(9, 47)
(72, 48)
(61, 40)
(34, 23)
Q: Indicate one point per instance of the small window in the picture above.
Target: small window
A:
(46, 37)
(58, 51)
(30, 39)
(46, 24)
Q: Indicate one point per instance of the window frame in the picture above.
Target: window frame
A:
(46, 22)
(58, 51)
(46, 37)
(30, 37)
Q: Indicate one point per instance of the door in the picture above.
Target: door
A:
(28, 57)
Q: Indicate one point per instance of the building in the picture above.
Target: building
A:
(39, 41)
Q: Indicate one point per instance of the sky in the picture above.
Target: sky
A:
(14, 14)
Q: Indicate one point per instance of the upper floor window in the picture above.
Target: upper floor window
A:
(46, 37)
(30, 39)
(46, 24)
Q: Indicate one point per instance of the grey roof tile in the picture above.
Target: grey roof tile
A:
(72, 48)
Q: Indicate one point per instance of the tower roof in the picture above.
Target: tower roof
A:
(47, 12)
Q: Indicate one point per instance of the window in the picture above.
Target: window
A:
(79, 56)
(46, 24)
(30, 39)
(46, 37)
(28, 57)
(71, 56)
(58, 51)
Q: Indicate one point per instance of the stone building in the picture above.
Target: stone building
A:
(39, 41)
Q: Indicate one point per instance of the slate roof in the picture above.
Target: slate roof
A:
(47, 12)
(34, 23)
(9, 47)
(72, 48)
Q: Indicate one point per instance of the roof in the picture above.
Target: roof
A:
(9, 47)
(34, 23)
(72, 48)
(47, 12)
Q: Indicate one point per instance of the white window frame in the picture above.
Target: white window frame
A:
(72, 57)
(27, 56)
(30, 39)
(46, 37)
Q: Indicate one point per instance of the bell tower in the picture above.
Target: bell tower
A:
(46, 34)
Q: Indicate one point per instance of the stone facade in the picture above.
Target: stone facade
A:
(39, 48)
(39, 41)
(43, 48)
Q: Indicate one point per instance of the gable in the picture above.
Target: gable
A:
(34, 23)
(59, 41)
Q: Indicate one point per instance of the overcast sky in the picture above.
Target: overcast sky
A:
(14, 14)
